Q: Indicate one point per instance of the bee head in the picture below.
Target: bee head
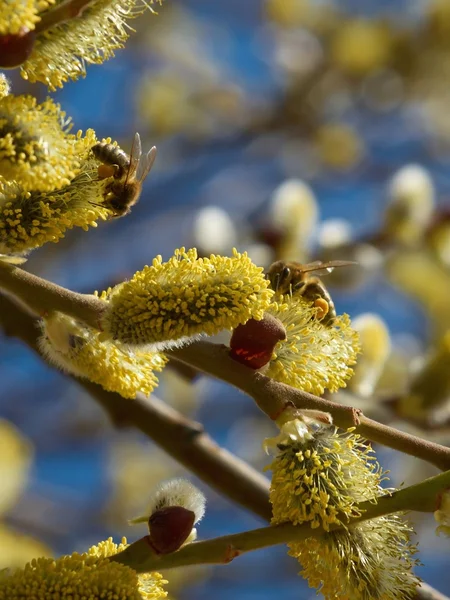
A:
(279, 273)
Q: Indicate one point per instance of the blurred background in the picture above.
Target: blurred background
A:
(293, 129)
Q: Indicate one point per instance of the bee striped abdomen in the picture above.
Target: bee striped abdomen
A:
(108, 154)
(318, 294)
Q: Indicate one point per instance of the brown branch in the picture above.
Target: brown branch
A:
(42, 296)
(272, 397)
(426, 592)
(181, 438)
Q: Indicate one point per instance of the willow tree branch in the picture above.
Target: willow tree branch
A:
(187, 442)
(271, 396)
(42, 296)
(183, 439)
(141, 558)
(426, 592)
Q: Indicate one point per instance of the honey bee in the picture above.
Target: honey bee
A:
(295, 278)
(128, 173)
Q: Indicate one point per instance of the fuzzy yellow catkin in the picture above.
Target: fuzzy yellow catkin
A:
(169, 303)
(442, 514)
(318, 477)
(21, 16)
(314, 356)
(78, 349)
(294, 212)
(90, 575)
(36, 147)
(4, 85)
(62, 52)
(411, 204)
(29, 220)
(375, 349)
(49, 179)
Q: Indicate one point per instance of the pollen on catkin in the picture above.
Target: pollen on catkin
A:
(168, 303)
(319, 476)
(19, 16)
(36, 146)
(442, 514)
(29, 220)
(314, 356)
(77, 349)
(62, 52)
(88, 575)
(4, 85)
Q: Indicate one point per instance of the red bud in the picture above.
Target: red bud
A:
(252, 344)
(15, 48)
(169, 528)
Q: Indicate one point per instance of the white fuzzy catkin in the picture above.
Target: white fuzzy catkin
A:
(178, 492)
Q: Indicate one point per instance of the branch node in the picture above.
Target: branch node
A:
(231, 553)
(277, 414)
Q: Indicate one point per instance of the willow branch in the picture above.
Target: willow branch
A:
(426, 592)
(42, 296)
(183, 439)
(271, 396)
(222, 550)
(187, 442)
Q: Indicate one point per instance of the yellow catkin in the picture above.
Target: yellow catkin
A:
(36, 147)
(4, 86)
(89, 575)
(62, 52)
(314, 356)
(167, 303)
(442, 515)
(77, 349)
(21, 16)
(31, 219)
(319, 476)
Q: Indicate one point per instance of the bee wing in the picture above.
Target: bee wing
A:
(135, 156)
(326, 266)
(146, 164)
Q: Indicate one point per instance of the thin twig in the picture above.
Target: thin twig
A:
(142, 559)
(42, 296)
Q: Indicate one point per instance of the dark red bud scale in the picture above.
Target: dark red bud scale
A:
(15, 48)
(253, 343)
(169, 528)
